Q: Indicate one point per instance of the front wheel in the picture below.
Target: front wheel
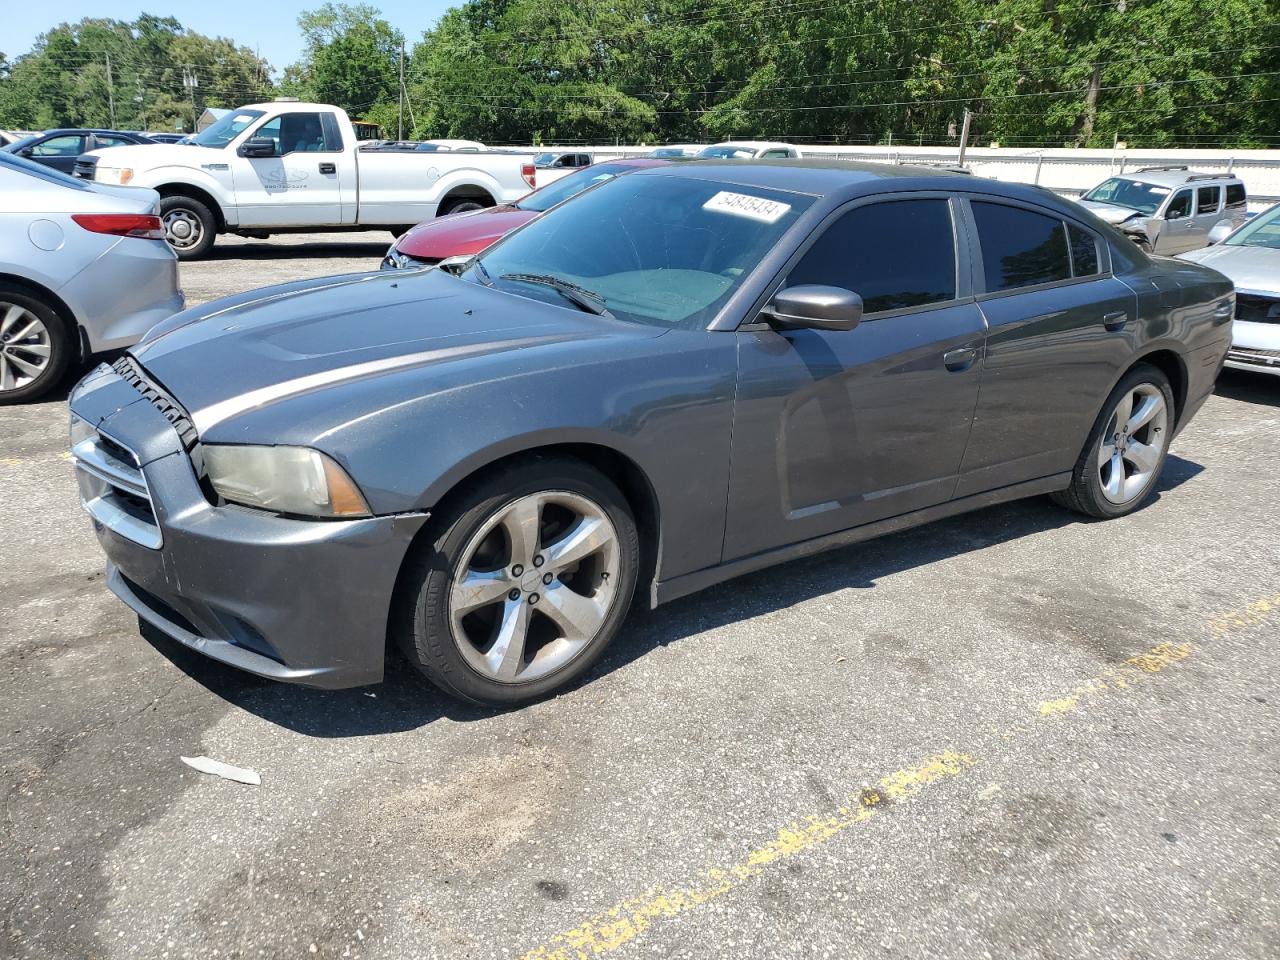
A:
(1125, 453)
(527, 579)
(189, 226)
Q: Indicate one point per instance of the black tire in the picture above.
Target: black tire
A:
(1085, 495)
(61, 344)
(461, 205)
(420, 616)
(196, 216)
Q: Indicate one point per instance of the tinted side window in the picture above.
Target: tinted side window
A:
(1207, 199)
(900, 253)
(65, 145)
(1084, 251)
(106, 140)
(1020, 247)
(1179, 206)
(1235, 195)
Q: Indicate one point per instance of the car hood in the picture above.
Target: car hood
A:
(1255, 269)
(463, 233)
(1109, 211)
(148, 156)
(247, 352)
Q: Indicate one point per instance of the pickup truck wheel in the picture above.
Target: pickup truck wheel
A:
(35, 347)
(528, 577)
(462, 205)
(189, 226)
(1125, 453)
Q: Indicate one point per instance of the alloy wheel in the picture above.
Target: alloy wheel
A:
(534, 585)
(1133, 443)
(25, 346)
(182, 229)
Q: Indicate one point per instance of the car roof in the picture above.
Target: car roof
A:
(847, 179)
(63, 131)
(753, 144)
(1166, 177)
(639, 162)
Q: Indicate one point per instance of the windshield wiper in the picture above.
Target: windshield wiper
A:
(580, 297)
(484, 274)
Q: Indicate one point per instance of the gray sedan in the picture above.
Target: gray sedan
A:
(743, 363)
(1250, 258)
(84, 269)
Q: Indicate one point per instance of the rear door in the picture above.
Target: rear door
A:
(307, 180)
(1208, 212)
(1060, 329)
(833, 429)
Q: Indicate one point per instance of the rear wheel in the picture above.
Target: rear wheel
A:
(1126, 450)
(189, 226)
(35, 346)
(527, 579)
(461, 205)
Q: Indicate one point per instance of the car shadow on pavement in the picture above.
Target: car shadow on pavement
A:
(405, 700)
(1259, 388)
(266, 250)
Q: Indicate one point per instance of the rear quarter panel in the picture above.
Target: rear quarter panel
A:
(400, 188)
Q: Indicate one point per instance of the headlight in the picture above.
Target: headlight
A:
(81, 430)
(120, 176)
(294, 480)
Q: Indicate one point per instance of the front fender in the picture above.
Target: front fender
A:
(163, 179)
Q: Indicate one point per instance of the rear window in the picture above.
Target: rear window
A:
(22, 165)
(1020, 248)
(1207, 199)
(1084, 251)
(1235, 195)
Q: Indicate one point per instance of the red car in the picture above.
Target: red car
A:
(463, 234)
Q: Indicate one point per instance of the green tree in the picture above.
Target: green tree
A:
(351, 58)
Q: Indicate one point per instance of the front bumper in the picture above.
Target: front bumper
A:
(1255, 347)
(297, 600)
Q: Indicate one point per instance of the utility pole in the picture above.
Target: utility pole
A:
(191, 81)
(964, 134)
(111, 92)
(400, 130)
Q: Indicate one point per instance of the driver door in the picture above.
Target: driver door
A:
(309, 181)
(1178, 231)
(834, 429)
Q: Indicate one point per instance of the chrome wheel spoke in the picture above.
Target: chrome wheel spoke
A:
(587, 537)
(506, 656)
(26, 331)
(11, 316)
(477, 590)
(1142, 456)
(577, 617)
(6, 374)
(521, 522)
(30, 369)
(1124, 410)
(1130, 450)
(1145, 412)
(1113, 482)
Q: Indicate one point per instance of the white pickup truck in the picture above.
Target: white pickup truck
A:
(287, 167)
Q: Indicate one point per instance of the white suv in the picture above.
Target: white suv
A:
(1170, 210)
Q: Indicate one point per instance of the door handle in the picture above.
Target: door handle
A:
(328, 168)
(1115, 320)
(961, 358)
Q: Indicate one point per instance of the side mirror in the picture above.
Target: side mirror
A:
(258, 147)
(1175, 214)
(814, 306)
(26, 151)
(1220, 232)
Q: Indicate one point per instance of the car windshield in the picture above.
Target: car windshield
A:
(728, 153)
(222, 132)
(1133, 194)
(1262, 231)
(430, 148)
(569, 186)
(544, 159)
(659, 250)
(33, 169)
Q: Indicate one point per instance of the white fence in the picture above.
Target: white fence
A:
(1066, 171)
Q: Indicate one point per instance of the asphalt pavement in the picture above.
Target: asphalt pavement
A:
(1010, 734)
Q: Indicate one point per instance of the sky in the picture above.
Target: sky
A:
(269, 27)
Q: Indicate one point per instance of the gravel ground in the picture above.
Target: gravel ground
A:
(1011, 734)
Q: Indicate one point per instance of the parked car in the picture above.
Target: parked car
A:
(450, 146)
(60, 148)
(683, 375)
(674, 152)
(288, 166)
(166, 137)
(558, 160)
(1250, 258)
(749, 150)
(464, 234)
(1169, 210)
(83, 269)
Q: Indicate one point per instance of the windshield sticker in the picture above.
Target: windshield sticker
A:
(1159, 191)
(242, 118)
(742, 205)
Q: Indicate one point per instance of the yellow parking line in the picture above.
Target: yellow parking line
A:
(624, 922)
(629, 919)
(64, 457)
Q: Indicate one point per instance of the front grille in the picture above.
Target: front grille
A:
(85, 168)
(1256, 309)
(395, 260)
(133, 374)
(1261, 358)
(113, 490)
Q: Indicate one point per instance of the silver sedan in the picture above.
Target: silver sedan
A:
(84, 269)
(1250, 258)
